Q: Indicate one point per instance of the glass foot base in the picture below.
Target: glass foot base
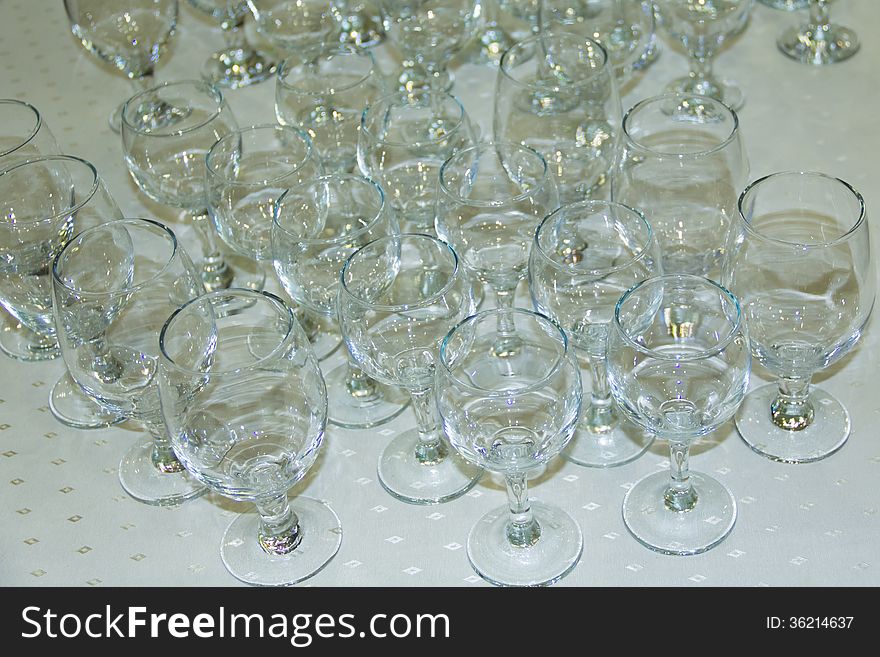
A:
(622, 444)
(722, 90)
(246, 560)
(20, 343)
(140, 479)
(556, 552)
(401, 474)
(679, 532)
(347, 411)
(809, 44)
(240, 272)
(74, 408)
(236, 68)
(825, 435)
(411, 81)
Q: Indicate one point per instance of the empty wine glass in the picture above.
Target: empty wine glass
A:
(703, 26)
(45, 201)
(678, 366)
(130, 35)
(238, 64)
(428, 34)
(585, 256)
(167, 162)
(399, 296)
(245, 406)
(683, 163)
(799, 258)
(326, 97)
(511, 416)
(113, 286)
(403, 141)
(317, 226)
(298, 27)
(819, 41)
(556, 93)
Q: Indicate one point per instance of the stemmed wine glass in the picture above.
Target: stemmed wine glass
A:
(678, 366)
(45, 200)
(130, 35)
(298, 27)
(113, 286)
(317, 225)
(703, 26)
(819, 41)
(246, 409)
(511, 416)
(585, 256)
(167, 162)
(399, 296)
(799, 258)
(238, 64)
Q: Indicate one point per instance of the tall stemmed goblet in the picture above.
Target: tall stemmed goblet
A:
(167, 162)
(246, 409)
(238, 64)
(491, 199)
(114, 285)
(403, 141)
(703, 26)
(585, 256)
(298, 27)
(428, 34)
(512, 416)
(317, 226)
(131, 36)
(556, 93)
(799, 258)
(683, 163)
(326, 97)
(45, 201)
(399, 296)
(678, 366)
(819, 41)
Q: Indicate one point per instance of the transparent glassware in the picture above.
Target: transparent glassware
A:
(799, 258)
(130, 36)
(819, 41)
(683, 163)
(556, 93)
(585, 256)
(403, 141)
(702, 26)
(504, 22)
(428, 33)
(113, 286)
(399, 296)
(298, 27)
(511, 417)
(361, 23)
(317, 226)
(326, 97)
(167, 162)
(238, 64)
(678, 366)
(786, 5)
(491, 198)
(246, 409)
(44, 202)
(625, 28)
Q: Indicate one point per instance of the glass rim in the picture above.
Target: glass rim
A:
(455, 275)
(721, 345)
(213, 171)
(204, 84)
(93, 189)
(504, 62)
(343, 51)
(490, 392)
(545, 179)
(734, 131)
(320, 179)
(409, 99)
(129, 289)
(843, 237)
(591, 203)
(34, 131)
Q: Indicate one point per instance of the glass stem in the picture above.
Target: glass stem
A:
(680, 496)
(701, 67)
(600, 416)
(820, 15)
(792, 409)
(508, 342)
(430, 449)
(280, 532)
(216, 274)
(522, 530)
(233, 36)
(358, 384)
(163, 457)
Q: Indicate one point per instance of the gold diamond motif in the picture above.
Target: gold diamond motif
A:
(85, 549)
(16, 481)
(65, 490)
(138, 557)
(75, 518)
(31, 541)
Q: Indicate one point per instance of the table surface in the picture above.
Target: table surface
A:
(66, 521)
